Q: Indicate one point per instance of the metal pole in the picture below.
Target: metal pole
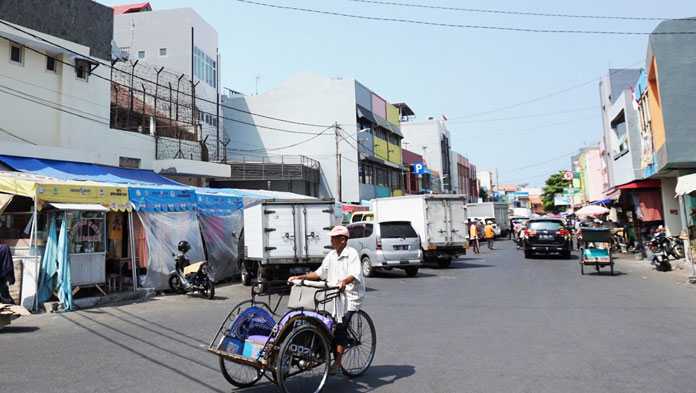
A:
(32, 253)
(338, 166)
(132, 250)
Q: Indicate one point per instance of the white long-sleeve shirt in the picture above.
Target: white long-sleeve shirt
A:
(335, 268)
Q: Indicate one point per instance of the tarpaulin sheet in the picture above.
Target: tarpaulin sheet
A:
(46, 189)
(164, 230)
(650, 205)
(218, 204)
(221, 235)
(81, 171)
(154, 198)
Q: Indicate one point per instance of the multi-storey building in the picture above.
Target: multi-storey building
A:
(351, 132)
(55, 85)
(431, 139)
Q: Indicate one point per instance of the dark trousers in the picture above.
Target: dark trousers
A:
(5, 292)
(490, 243)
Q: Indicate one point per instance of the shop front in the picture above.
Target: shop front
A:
(39, 205)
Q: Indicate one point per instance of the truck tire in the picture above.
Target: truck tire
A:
(444, 262)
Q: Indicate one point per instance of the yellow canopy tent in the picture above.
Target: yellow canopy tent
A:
(45, 189)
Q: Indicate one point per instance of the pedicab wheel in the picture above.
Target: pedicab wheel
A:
(208, 289)
(239, 375)
(303, 361)
(362, 342)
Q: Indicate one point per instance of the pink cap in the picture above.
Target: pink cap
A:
(339, 230)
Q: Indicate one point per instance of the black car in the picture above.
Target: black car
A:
(545, 236)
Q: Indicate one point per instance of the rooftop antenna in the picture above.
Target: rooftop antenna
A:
(257, 84)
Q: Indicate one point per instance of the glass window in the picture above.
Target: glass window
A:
(81, 69)
(356, 231)
(545, 225)
(395, 180)
(368, 230)
(51, 63)
(163, 51)
(16, 54)
(396, 229)
(141, 54)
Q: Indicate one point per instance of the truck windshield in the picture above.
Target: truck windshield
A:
(396, 229)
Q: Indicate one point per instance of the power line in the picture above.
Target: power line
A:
(284, 147)
(531, 177)
(482, 27)
(107, 65)
(509, 12)
(529, 128)
(537, 164)
(546, 96)
(524, 116)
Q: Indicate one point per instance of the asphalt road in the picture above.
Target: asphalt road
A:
(493, 322)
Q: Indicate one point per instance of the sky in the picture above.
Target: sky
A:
(480, 79)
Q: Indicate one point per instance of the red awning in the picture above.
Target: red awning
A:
(641, 184)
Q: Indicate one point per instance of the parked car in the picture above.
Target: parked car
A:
(547, 235)
(362, 216)
(386, 245)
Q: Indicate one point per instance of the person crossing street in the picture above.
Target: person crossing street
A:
(474, 237)
(489, 234)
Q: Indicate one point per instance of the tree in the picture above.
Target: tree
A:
(554, 186)
(483, 194)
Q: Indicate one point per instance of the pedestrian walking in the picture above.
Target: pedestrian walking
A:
(489, 234)
(474, 237)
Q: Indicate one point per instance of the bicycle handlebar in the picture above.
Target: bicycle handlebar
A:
(314, 284)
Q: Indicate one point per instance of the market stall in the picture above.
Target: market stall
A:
(37, 200)
(686, 192)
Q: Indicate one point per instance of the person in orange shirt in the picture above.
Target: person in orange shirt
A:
(489, 234)
(473, 237)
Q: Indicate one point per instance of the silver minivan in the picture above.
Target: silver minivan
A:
(386, 245)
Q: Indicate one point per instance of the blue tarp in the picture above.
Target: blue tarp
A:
(218, 204)
(64, 278)
(154, 198)
(49, 265)
(80, 171)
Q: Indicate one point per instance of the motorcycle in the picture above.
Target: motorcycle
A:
(660, 258)
(188, 277)
(671, 244)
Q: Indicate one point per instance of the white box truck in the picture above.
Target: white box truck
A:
(484, 211)
(286, 236)
(440, 221)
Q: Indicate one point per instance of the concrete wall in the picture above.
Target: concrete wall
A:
(307, 98)
(424, 138)
(675, 59)
(670, 206)
(55, 114)
(84, 22)
(625, 166)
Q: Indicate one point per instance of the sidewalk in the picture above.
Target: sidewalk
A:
(681, 269)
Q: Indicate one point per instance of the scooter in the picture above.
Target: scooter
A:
(671, 244)
(188, 277)
(659, 255)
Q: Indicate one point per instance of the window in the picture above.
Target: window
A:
(16, 54)
(382, 179)
(368, 174)
(204, 67)
(368, 230)
(163, 51)
(619, 137)
(82, 69)
(141, 54)
(129, 162)
(50, 63)
(381, 134)
(355, 231)
(395, 180)
(397, 229)
(545, 225)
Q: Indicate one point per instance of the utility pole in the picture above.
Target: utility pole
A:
(338, 163)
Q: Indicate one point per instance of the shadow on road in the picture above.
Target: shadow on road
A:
(145, 353)
(18, 329)
(375, 377)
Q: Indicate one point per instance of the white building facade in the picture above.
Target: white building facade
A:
(55, 96)
(431, 139)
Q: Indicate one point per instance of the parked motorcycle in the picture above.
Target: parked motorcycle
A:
(660, 258)
(188, 277)
(671, 244)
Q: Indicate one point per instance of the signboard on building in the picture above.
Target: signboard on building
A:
(570, 191)
(561, 201)
(418, 168)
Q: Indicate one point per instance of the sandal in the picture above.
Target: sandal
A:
(333, 369)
